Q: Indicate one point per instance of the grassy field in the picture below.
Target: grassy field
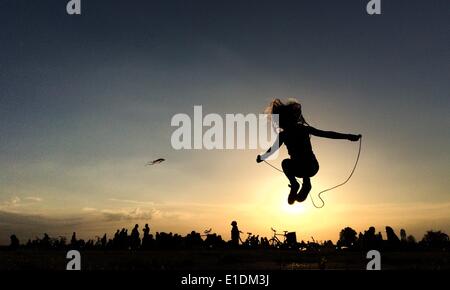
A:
(220, 260)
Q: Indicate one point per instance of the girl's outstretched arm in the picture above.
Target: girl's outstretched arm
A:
(332, 135)
(276, 145)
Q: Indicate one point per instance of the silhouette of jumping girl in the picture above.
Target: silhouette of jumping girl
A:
(295, 133)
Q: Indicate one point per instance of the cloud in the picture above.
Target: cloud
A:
(10, 218)
(33, 198)
(15, 202)
(132, 201)
(31, 225)
(122, 214)
(12, 202)
(89, 209)
(126, 215)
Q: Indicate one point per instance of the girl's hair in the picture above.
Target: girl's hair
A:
(291, 110)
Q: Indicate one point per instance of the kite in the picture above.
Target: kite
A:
(156, 161)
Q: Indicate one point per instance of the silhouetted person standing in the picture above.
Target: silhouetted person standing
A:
(123, 239)
(235, 234)
(73, 240)
(403, 235)
(103, 241)
(14, 245)
(45, 241)
(116, 240)
(146, 237)
(135, 241)
(393, 241)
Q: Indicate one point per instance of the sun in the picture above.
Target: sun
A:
(294, 209)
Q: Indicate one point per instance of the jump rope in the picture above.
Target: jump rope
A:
(331, 188)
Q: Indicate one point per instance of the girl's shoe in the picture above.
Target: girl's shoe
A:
(304, 191)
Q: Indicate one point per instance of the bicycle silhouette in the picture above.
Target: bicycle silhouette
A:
(275, 241)
(252, 241)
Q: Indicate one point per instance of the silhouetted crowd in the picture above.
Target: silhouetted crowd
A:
(122, 240)
(349, 239)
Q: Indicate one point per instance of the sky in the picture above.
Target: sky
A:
(86, 101)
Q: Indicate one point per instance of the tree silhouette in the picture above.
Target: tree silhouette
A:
(347, 237)
(411, 239)
(434, 239)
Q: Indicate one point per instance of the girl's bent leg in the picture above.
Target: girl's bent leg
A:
(287, 166)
